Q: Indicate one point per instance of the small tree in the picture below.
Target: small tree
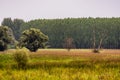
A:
(68, 43)
(33, 39)
(5, 39)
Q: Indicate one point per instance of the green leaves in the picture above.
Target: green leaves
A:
(14, 25)
(33, 39)
(21, 58)
(4, 38)
(80, 29)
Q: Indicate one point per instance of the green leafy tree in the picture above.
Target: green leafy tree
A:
(81, 30)
(7, 22)
(33, 39)
(14, 25)
(14, 42)
(5, 39)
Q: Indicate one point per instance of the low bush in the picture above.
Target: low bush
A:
(96, 51)
(21, 58)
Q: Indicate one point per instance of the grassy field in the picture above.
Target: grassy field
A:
(61, 64)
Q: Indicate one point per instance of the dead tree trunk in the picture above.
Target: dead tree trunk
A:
(101, 36)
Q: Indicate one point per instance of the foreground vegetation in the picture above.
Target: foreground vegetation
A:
(60, 64)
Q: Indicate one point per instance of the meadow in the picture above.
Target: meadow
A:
(61, 64)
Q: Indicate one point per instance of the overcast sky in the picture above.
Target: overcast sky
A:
(49, 9)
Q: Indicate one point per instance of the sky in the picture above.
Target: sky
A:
(51, 9)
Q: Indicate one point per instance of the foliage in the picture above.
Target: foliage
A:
(5, 39)
(3, 46)
(14, 25)
(7, 22)
(21, 57)
(107, 31)
(33, 39)
(13, 41)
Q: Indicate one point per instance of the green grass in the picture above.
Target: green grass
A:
(62, 65)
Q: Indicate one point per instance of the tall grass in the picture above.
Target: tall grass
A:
(72, 65)
(61, 74)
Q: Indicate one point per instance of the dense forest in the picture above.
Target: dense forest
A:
(84, 32)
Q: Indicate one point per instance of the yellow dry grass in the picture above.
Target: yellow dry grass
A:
(82, 53)
(71, 52)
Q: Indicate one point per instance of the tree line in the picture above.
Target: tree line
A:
(32, 39)
(83, 32)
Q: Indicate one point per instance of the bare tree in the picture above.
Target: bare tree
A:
(68, 43)
(101, 35)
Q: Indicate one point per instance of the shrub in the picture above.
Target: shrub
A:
(96, 51)
(21, 58)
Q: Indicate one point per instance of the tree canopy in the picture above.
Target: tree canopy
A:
(86, 32)
(107, 31)
(5, 38)
(14, 25)
(33, 39)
